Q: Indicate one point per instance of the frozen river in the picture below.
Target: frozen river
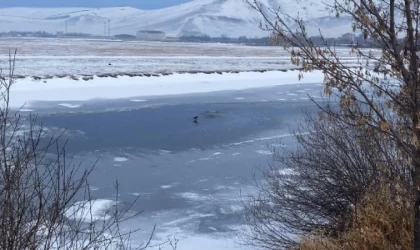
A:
(189, 176)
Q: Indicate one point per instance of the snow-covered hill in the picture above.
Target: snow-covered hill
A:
(232, 18)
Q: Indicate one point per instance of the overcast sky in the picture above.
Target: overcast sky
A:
(142, 4)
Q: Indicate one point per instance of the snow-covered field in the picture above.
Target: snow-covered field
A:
(55, 57)
(75, 57)
(96, 65)
(64, 89)
(82, 70)
(49, 47)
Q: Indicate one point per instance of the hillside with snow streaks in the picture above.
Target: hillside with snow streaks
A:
(232, 18)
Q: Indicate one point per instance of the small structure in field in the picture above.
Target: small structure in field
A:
(151, 35)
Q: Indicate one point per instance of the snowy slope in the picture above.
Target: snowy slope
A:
(215, 18)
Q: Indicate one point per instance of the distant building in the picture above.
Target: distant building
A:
(151, 35)
(125, 37)
(348, 37)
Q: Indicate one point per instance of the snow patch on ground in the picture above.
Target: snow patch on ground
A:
(201, 181)
(264, 152)
(232, 209)
(288, 171)
(261, 139)
(279, 145)
(89, 211)
(71, 106)
(236, 208)
(138, 100)
(120, 159)
(193, 196)
(64, 89)
(204, 242)
(223, 187)
(26, 110)
(187, 219)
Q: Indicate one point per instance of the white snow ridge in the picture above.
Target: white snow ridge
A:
(214, 18)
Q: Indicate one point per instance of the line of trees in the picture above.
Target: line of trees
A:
(344, 40)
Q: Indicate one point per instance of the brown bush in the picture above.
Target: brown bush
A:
(315, 187)
(383, 221)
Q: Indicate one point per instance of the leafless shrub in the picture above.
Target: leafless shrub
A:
(316, 187)
(45, 201)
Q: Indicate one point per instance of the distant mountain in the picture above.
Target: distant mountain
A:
(215, 18)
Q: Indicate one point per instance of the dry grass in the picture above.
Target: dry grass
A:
(383, 221)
